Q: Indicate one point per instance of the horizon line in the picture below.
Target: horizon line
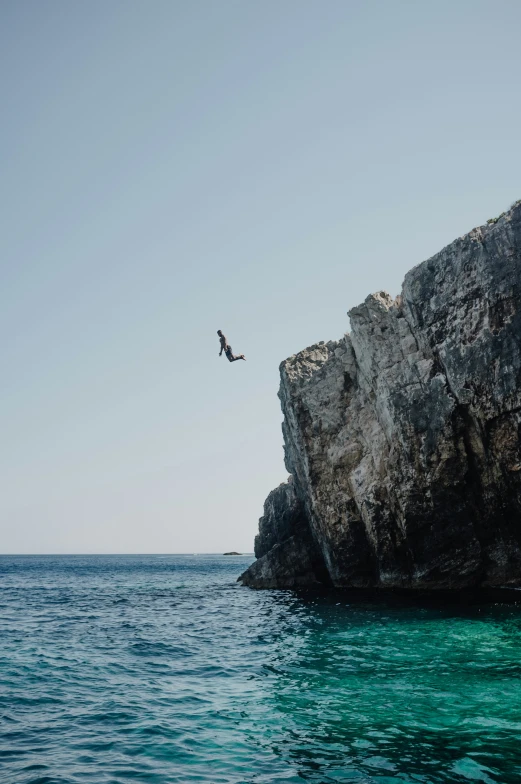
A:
(132, 554)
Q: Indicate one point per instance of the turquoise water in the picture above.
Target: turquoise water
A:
(162, 669)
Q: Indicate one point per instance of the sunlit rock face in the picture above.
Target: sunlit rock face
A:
(403, 438)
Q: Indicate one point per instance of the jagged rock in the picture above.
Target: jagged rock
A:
(282, 517)
(403, 438)
(287, 553)
(287, 565)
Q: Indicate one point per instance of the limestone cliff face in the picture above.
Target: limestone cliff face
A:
(403, 438)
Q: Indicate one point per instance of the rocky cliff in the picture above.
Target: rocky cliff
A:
(403, 438)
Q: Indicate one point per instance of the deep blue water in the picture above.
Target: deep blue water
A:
(162, 669)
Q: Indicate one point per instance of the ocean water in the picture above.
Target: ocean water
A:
(162, 669)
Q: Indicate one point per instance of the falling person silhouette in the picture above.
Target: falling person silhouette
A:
(225, 346)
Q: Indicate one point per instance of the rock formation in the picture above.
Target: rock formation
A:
(403, 438)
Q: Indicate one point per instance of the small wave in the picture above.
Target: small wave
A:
(160, 670)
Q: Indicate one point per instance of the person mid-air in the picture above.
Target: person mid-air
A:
(225, 346)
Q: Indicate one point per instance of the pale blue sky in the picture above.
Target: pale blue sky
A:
(171, 168)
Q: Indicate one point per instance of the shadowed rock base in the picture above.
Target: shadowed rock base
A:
(288, 557)
(287, 565)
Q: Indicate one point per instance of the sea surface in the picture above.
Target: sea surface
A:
(163, 669)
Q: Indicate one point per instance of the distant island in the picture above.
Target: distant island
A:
(232, 553)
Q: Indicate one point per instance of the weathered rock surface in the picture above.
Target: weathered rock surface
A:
(285, 535)
(403, 438)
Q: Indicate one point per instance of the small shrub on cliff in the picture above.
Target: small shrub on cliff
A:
(495, 220)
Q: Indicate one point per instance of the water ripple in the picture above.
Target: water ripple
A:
(162, 669)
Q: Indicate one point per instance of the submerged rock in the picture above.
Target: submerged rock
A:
(403, 438)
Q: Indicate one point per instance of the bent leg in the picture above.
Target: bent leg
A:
(231, 356)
